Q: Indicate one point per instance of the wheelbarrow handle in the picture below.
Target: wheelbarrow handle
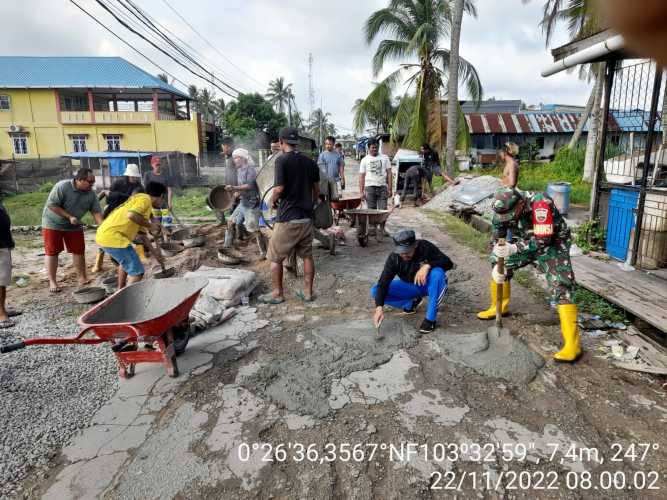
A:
(12, 347)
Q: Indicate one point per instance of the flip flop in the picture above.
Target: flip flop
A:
(55, 290)
(11, 313)
(7, 323)
(270, 299)
(301, 295)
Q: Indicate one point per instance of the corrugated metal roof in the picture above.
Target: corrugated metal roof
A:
(492, 106)
(77, 72)
(635, 120)
(530, 123)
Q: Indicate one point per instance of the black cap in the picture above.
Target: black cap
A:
(289, 135)
(404, 241)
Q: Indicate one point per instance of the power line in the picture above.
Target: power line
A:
(210, 44)
(128, 44)
(180, 63)
(141, 15)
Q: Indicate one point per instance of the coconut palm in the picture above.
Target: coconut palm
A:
(378, 113)
(582, 19)
(453, 84)
(278, 94)
(416, 29)
(320, 126)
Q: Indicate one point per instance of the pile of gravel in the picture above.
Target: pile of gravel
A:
(446, 198)
(47, 393)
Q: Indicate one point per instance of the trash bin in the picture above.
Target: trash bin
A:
(560, 193)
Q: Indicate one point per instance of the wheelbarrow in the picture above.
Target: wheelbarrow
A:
(365, 218)
(340, 206)
(148, 311)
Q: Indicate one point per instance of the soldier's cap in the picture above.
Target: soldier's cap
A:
(504, 202)
(404, 241)
(289, 135)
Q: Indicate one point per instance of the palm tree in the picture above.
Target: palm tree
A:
(453, 85)
(377, 113)
(582, 19)
(193, 92)
(163, 77)
(278, 94)
(320, 126)
(417, 28)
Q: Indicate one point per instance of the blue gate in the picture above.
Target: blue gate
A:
(620, 221)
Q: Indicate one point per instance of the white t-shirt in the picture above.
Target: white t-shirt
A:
(375, 168)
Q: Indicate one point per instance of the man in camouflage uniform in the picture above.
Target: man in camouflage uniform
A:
(539, 236)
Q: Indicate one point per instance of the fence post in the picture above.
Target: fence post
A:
(597, 177)
(653, 113)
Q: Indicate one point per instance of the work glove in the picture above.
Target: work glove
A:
(497, 276)
(505, 250)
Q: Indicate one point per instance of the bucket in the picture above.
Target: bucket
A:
(219, 199)
(560, 193)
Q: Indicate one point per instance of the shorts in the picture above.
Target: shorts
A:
(55, 241)
(127, 258)
(5, 267)
(290, 236)
(249, 217)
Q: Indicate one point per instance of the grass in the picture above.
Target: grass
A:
(594, 304)
(26, 209)
(460, 231)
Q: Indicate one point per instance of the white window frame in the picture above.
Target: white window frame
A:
(79, 143)
(20, 144)
(113, 142)
(5, 98)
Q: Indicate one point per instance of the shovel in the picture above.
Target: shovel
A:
(497, 330)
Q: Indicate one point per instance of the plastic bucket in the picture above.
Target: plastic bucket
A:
(560, 193)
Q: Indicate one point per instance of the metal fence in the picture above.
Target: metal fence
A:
(631, 176)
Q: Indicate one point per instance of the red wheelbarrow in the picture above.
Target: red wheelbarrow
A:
(148, 311)
(339, 207)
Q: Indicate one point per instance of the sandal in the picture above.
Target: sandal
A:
(270, 299)
(301, 295)
(7, 323)
(11, 313)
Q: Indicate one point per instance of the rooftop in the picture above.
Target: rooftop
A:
(78, 72)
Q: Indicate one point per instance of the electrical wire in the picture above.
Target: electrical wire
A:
(176, 60)
(210, 44)
(128, 44)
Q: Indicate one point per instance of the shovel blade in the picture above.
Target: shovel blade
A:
(498, 332)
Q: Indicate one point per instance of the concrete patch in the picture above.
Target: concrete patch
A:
(435, 406)
(503, 357)
(86, 480)
(300, 381)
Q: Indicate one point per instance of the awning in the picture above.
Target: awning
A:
(587, 55)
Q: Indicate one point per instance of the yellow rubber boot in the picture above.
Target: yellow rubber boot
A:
(490, 313)
(570, 331)
(99, 262)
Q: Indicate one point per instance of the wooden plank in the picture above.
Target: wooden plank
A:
(648, 352)
(641, 367)
(643, 295)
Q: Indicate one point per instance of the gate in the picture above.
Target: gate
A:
(620, 221)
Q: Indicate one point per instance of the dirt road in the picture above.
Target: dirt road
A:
(301, 401)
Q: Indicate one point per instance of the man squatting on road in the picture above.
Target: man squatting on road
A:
(420, 267)
(540, 237)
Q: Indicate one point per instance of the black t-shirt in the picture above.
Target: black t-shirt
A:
(119, 193)
(297, 173)
(6, 240)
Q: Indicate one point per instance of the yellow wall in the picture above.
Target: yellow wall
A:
(35, 111)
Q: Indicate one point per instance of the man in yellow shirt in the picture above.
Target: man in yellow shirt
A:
(120, 228)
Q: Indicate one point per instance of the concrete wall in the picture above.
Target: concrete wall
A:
(36, 112)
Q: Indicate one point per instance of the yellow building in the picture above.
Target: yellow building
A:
(50, 106)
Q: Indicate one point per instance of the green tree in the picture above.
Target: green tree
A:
(582, 19)
(320, 126)
(279, 94)
(163, 77)
(251, 113)
(377, 113)
(417, 28)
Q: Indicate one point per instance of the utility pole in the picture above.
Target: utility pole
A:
(311, 89)
(321, 118)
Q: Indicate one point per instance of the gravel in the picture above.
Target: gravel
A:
(47, 393)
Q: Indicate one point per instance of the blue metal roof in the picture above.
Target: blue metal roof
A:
(635, 120)
(77, 72)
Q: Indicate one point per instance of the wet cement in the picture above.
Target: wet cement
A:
(504, 357)
(301, 382)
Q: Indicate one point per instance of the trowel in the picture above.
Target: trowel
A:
(497, 330)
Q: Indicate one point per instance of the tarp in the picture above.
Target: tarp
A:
(117, 166)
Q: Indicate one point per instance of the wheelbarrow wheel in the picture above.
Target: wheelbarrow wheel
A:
(181, 339)
(332, 245)
(363, 240)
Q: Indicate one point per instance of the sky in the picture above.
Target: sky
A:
(255, 41)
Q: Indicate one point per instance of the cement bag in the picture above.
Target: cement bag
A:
(226, 285)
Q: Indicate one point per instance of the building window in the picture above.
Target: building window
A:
(20, 144)
(540, 142)
(79, 143)
(4, 103)
(113, 142)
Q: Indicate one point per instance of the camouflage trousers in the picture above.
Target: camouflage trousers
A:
(554, 262)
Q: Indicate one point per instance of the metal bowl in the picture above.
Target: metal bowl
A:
(219, 199)
(89, 295)
(195, 241)
(228, 259)
(110, 284)
(171, 249)
(181, 235)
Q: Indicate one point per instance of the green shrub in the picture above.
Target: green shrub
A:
(46, 187)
